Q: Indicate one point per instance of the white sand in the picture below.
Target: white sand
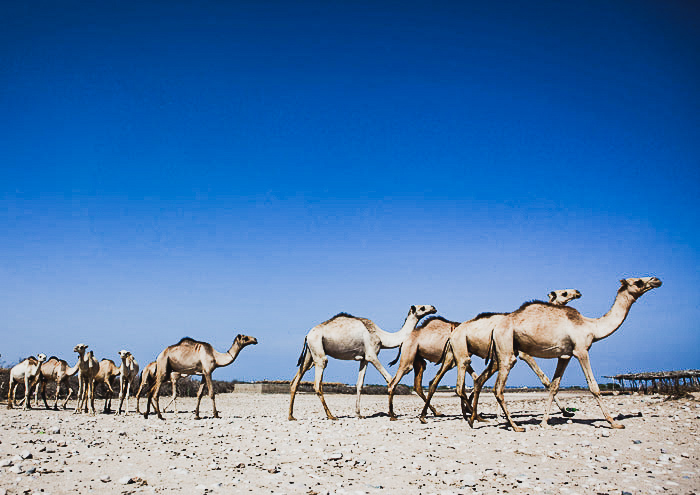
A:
(253, 448)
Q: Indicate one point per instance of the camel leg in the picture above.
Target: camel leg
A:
(504, 366)
(122, 390)
(10, 393)
(585, 362)
(91, 389)
(70, 392)
(318, 387)
(562, 363)
(447, 364)
(152, 398)
(58, 390)
(419, 366)
(210, 386)
(27, 393)
(403, 369)
(543, 378)
(305, 366)
(360, 381)
(377, 364)
(80, 395)
(200, 393)
(478, 385)
(173, 400)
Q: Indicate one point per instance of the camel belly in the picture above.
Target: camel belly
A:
(348, 351)
(544, 348)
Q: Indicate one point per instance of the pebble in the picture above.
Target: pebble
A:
(55, 430)
(105, 479)
(6, 463)
(25, 454)
(335, 456)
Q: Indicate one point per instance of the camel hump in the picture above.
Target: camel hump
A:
(30, 359)
(188, 341)
(53, 358)
(486, 315)
(429, 319)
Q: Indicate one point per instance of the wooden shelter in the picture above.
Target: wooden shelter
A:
(659, 382)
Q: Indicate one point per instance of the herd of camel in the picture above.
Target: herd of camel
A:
(549, 330)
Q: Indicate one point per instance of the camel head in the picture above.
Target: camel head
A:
(422, 310)
(563, 296)
(41, 357)
(124, 354)
(244, 340)
(80, 348)
(638, 286)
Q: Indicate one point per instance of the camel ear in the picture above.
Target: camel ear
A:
(413, 309)
(623, 282)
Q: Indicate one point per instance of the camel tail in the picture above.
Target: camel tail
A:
(444, 353)
(398, 355)
(304, 350)
(492, 352)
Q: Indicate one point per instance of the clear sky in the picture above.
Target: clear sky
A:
(209, 169)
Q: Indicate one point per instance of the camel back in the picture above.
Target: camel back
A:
(570, 312)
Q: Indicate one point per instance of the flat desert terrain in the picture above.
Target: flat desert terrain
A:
(253, 448)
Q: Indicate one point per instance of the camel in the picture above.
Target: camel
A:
(55, 370)
(148, 378)
(347, 337)
(128, 373)
(427, 342)
(547, 331)
(192, 357)
(87, 370)
(106, 374)
(28, 371)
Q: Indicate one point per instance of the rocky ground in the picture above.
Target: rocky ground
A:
(254, 448)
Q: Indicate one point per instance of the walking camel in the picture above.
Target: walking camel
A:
(27, 371)
(106, 374)
(549, 332)
(192, 357)
(87, 370)
(347, 337)
(128, 373)
(55, 370)
(427, 342)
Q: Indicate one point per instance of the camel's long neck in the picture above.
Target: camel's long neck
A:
(226, 358)
(74, 369)
(611, 321)
(390, 340)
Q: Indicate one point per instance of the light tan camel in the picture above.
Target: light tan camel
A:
(27, 371)
(347, 337)
(427, 342)
(549, 332)
(193, 357)
(57, 371)
(87, 370)
(128, 373)
(107, 373)
(174, 377)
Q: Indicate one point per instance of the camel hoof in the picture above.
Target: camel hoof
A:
(567, 414)
(292, 418)
(437, 414)
(332, 418)
(481, 419)
(423, 420)
(393, 418)
(617, 426)
(216, 415)
(518, 429)
(197, 417)
(471, 422)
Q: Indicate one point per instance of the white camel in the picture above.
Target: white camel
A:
(27, 371)
(128, 373)
(347, 337)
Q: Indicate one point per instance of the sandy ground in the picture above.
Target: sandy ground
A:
(253, 448)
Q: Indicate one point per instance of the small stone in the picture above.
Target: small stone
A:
(335, 456)
(214, 486)
(214, 466)
(31, 470)
(125, 480)
(636, 442)
(25, 454)
(17, 469)
(201, 488)
(55, 430)
(605, 434)
(6, 463)
(105, 479)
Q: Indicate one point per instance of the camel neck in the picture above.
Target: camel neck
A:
(391, 340)
(226, 358)
(611, 321)
(73, 369)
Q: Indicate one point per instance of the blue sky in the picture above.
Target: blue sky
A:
(199, 169)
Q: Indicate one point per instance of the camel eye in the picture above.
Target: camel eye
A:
(565, 294)
(639, 283)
